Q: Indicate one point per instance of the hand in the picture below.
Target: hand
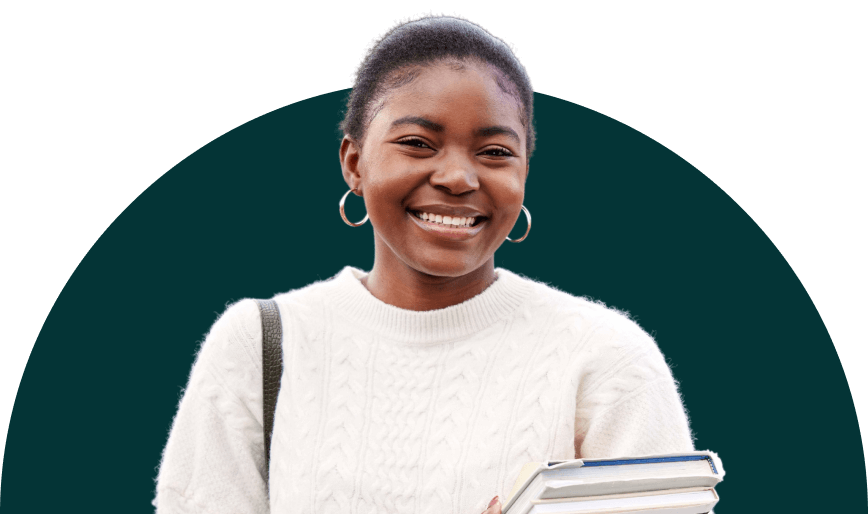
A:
(494, 506)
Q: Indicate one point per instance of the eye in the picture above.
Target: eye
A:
(413, 142)
(497, 152)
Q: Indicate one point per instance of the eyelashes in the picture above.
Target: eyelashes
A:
(413, 142)
(495, 151)
(498, 152)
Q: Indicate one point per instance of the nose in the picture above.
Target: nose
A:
(456, 175)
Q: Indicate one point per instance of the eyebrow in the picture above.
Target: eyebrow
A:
(418, 120)
(498, 129)
(436, 127)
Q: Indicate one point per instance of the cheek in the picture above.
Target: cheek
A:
(508, 193)
(386, 186)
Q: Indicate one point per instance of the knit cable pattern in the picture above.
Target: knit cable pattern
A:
(386, 410)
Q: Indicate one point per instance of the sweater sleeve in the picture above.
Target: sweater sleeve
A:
(214, 459)
(635, 408)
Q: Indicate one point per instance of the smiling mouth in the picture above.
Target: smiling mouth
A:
(446, 221)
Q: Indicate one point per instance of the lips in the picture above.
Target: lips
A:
(454, 221)
(464, 210)
(448, 232)
(456, 215)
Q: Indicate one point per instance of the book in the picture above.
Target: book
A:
(687, 500)
(684, 481)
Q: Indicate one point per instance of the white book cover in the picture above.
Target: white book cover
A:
(667, 501)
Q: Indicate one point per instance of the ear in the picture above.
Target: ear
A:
(350, 154)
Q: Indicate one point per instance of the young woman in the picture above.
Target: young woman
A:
(425, 384)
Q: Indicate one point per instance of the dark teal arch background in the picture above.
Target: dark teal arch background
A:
(617, 217)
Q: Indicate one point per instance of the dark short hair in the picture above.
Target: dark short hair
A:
(391, 62)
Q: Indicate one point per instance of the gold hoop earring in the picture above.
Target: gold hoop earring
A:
(344, 215)
(527, 214)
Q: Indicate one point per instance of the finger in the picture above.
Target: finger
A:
(493, 506)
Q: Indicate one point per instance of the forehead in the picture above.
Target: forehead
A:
(465, 95)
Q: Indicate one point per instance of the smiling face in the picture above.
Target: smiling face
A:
(442, 170)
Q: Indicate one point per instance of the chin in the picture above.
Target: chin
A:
(444, 267)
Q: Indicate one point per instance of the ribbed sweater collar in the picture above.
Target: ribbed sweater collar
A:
(350, 297)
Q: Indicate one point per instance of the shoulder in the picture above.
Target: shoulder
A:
(239, 328)
(231, 351)
(585, 315)
(226, 377)
(602, 338)
(317, 294)
(616, 358)
(237, 322)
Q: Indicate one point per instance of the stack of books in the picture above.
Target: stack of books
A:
(665, 483)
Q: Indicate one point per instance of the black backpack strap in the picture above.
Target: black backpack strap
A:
(272, 368)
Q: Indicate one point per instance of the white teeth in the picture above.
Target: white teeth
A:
(455, 221)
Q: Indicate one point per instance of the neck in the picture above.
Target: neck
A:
(394, 282)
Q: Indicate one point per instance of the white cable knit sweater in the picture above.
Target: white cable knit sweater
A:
(387, 410)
